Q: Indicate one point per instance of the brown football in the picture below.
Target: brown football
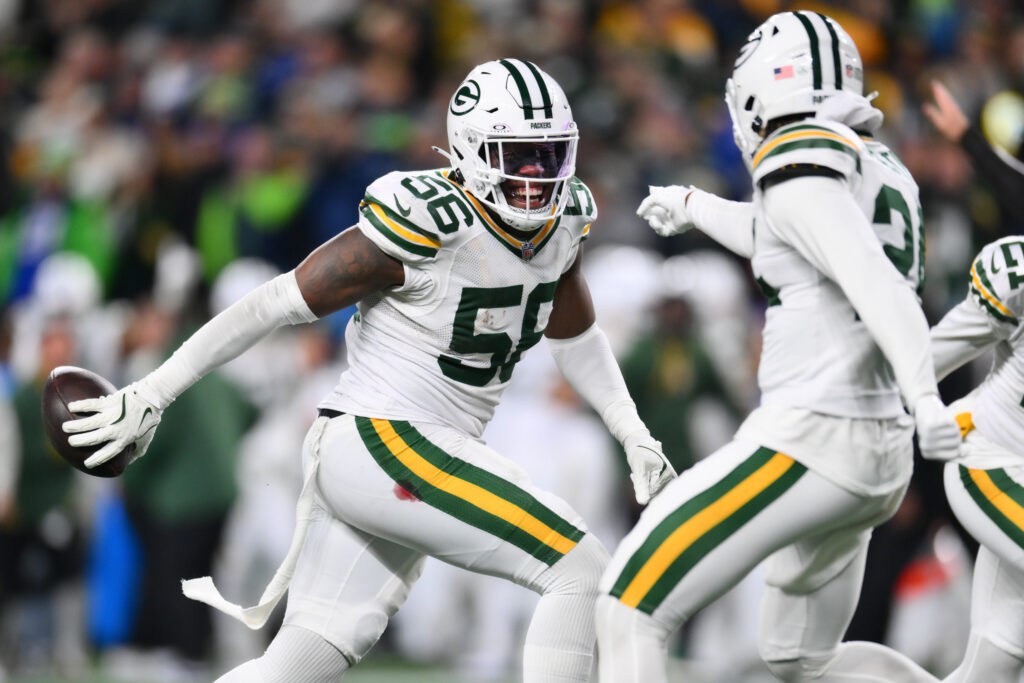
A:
(65, 385)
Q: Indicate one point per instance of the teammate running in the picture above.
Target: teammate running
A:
(834, 236)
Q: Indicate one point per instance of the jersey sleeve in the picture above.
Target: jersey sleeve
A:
(821, 144)
(582, 207)
(398, 222)
(996, 279)
(962, 335)
(579, 216)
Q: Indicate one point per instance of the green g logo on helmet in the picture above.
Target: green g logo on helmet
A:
(465, 98)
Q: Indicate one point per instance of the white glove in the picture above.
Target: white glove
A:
(649, 469)
(120, 419)
(938, 434)
(665, 209)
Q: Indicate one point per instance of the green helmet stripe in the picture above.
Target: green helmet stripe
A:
(835, 50)
(544, 94)
(524, 92)
(815, 57)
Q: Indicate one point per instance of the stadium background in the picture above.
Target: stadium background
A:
(160, 157)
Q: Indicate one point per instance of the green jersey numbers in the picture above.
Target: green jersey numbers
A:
(466, 340)
(1013, 259)
(582, 203)
(996, 275)
(447, 209)
(892, 208)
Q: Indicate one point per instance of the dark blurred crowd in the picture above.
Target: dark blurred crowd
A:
(251, 127)
(150, 147)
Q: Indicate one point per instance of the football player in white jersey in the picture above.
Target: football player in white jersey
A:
(985, 485)
(834, 237)
(457, 272)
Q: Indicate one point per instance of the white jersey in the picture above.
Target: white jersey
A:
(991, 315)
(816, 352)
(477, 294)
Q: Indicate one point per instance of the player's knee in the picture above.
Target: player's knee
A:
(579, 571)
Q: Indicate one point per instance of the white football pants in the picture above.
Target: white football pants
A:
(990, 505)
(391, 493)
(714, 524)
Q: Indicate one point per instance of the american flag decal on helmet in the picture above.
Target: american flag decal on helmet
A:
(783, 72)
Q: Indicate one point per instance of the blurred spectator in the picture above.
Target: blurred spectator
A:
(257, 212)
(41, 534)
(1003, 172)
(678, 389)
(670, 374)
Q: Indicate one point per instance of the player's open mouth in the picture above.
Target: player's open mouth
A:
(517, 194)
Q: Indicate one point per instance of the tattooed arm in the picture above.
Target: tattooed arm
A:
(336, 275)
(343, 271)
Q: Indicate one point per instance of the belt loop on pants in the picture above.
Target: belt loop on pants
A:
(329, 413)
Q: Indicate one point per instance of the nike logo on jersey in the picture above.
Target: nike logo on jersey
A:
(401, 209)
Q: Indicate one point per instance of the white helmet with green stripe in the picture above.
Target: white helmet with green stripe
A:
(793, 63)
(513, 139)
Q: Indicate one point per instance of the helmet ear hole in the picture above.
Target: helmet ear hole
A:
(750, 104)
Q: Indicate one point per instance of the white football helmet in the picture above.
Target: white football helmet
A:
(791, 64)
(512, 137)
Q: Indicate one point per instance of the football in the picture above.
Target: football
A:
(65, 385)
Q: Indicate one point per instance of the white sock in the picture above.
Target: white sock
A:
(295, 654)
(631, 646)
(560, 641)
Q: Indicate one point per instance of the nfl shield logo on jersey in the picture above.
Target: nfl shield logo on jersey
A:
(527, 251)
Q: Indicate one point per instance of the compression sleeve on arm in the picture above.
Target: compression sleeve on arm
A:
(587, 363)
(234, 330)
(962, 335)
(728, 223)
(819, 218)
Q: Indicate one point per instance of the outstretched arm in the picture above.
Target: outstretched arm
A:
(675, 209)
(584, 357)
(338, 274)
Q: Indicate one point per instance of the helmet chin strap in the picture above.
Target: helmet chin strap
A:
(446, 154)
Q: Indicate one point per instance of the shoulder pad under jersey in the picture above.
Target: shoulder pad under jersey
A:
(581, 211)
(825, 144)
(410, 215)
(997, 279)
